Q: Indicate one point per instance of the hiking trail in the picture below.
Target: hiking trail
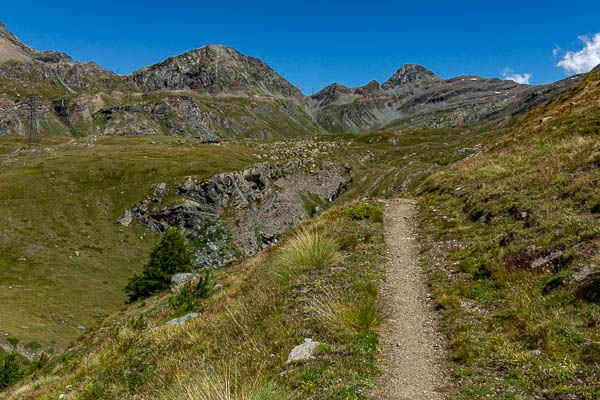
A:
(414, 351)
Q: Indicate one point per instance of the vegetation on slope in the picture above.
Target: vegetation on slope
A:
(169, 256)
(64, 261)
(519, 224)
(66, 199)
(319, 282)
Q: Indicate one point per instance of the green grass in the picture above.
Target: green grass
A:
(265, 307)
(221, 386)
(310, 249)
(515, 223)
(70, 195)
(58, 203)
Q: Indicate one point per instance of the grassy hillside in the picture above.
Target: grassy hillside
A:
(63, 260)
(319, 282)
(507, 235)
(64, 201)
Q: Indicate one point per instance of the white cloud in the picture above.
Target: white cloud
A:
(585, 59)
(509, 74)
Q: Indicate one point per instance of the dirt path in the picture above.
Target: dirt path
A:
(413, 349)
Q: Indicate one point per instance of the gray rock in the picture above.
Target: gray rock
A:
(541, 262)
(180, 280)
(127, 219)
(581, 275)
(303, 351)
(183, 319)
(544, 119)
(160, 189)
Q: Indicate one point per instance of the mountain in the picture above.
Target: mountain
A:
(11, 48)
(211, 70)
(215, 91)
(415, 96)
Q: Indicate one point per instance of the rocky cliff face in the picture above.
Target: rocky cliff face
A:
(241, 213)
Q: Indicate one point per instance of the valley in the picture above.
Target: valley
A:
(284, 198)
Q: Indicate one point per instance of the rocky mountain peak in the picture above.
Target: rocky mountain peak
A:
(12, 48)
(370, 88)
(412, 75)
(214, 69)
(596, 68)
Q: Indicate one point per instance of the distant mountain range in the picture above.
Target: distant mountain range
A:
(215, 91)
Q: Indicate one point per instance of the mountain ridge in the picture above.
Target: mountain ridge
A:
(180, 93)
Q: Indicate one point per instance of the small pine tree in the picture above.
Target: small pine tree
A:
(10, 370)
(169, 256)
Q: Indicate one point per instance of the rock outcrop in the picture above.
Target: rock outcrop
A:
(241, 213)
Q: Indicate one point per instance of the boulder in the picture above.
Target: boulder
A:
(126, 220)
(180, 280)
(182, 320)
(303, 351)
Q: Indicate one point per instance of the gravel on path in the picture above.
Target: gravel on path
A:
(414, 351)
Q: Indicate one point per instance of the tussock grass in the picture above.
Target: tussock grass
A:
(309, 248)
(226, 386)
(340, 314)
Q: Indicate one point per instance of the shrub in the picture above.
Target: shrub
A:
(10, 369)
(169, 256)
(188, 298)
(364, 211)
(137, 323)
(39, 363)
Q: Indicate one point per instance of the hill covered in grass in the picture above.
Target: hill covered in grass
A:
(320, 282)
(513, 236)
(64, 259)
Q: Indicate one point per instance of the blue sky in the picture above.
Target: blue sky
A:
(313, 44)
